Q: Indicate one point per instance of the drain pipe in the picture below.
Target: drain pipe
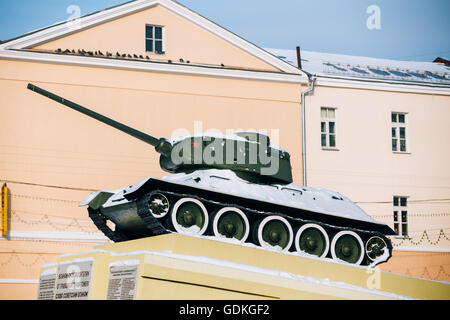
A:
(312, 82)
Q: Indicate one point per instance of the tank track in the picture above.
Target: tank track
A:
(163, 226)
(100, 222)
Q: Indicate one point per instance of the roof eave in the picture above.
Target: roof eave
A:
(382, 85)
(149, 66)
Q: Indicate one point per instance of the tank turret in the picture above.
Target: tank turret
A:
(249, 154)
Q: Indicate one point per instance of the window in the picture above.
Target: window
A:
(399, 134)
(401, 216)
(328, 127)
(154, 39)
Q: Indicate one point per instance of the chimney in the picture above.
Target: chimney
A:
(299, 58)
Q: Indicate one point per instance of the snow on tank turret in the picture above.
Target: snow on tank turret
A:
(236, 186)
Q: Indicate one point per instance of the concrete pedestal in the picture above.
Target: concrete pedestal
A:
(176, 266)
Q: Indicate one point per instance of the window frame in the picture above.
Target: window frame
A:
(398, 211)
(327, 121)
(397, 127)
(153, 39)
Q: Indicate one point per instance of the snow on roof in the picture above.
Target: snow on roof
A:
(347, 66)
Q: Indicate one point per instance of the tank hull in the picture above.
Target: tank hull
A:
(129, 210)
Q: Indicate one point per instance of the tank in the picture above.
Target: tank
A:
(238, 188)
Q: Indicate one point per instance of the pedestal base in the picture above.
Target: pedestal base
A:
(176, 266)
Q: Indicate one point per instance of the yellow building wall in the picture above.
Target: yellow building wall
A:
(53, 157)
(183, 40)
(422, 264)
(21, 261)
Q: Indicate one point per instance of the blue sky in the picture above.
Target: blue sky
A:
(409, 29)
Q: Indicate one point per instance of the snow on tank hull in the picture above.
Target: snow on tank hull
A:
(218, 203)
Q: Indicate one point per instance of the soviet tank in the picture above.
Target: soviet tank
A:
(236, 187)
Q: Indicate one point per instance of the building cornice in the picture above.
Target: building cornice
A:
(18, 281)
(149, 66)
(57, 236)
(380, 85)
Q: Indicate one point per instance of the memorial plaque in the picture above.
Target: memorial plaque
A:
(122, 282)
(73, 280)
(46, 290)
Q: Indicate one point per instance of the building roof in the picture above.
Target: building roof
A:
(364, 68)
(64, 28)
(442, 60)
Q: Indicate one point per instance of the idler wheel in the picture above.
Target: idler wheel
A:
(275, 231)
(375, 248)
(159, 205)
(231, 222)
(347, 246)
(189, 216)
(312, 239)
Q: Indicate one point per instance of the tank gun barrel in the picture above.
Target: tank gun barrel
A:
(161, 145)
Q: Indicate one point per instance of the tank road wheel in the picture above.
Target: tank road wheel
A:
(347, 246)
(189, 216)
(375, 248)
(312, 239)
(275, 231)
(231, 223)
(158, 205)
